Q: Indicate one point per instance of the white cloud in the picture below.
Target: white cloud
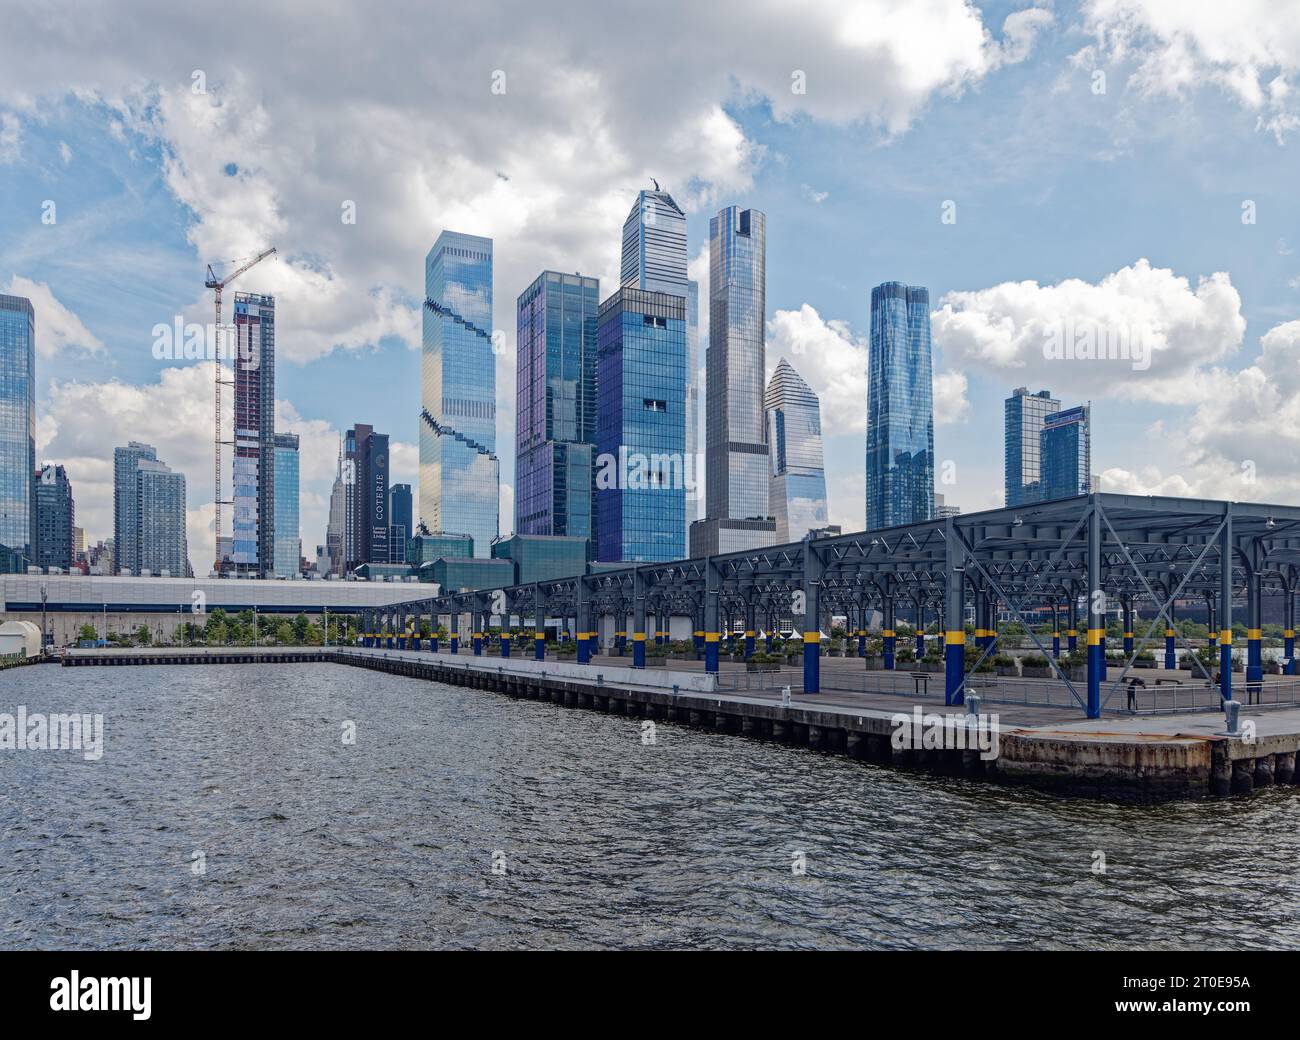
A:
(1009, 331)
(1240, 442)
(1249, 49)
(813, 195)
(11, 138)
(57, 328)
(65, 152)
(548, 168)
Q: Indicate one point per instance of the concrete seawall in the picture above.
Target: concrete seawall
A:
(1136, 759)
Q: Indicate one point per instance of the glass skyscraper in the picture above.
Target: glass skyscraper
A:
(17, 431)
(736, 507)
(1022, 470)
(253, 546)
(641, 427)
(1066, 449)
(56, 516)
(288, 536)
(459, 471)
(126, 505)
(797, 487)
(401, 525)
(160, 541)
(555, 406)
(900, 411)
(654, 259)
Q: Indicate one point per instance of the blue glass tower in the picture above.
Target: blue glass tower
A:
(288, 538)
(459, 471)
(1066, 450)
(900, 411)
(641, 427)
(17, 432)
(555, 425)
(1025, 414)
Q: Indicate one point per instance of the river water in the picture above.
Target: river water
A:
(229, 812)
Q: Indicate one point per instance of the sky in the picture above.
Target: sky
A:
(1113, 171)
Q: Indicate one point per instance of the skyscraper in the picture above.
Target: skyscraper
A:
(459, 471)
(254, 467)
(736, 509)
(555, 415)
(367, 461)
(17, 432)
(1024, 417)
(288, 537)
(161, 546)
(797, 488)
(641, 427)
(126, 505)
(400, 524)
(1065, 445)
(900, 412)
(654, 259)
(56, 518)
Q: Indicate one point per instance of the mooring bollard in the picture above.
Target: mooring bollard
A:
(785, 696)
(1231, 711)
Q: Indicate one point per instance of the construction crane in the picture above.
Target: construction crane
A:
(216, 285)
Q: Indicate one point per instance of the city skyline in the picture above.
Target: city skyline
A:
(1209, 291)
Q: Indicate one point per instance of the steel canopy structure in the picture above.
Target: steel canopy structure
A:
(1079, 559)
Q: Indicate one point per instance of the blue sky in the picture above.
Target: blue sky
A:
(994, 108)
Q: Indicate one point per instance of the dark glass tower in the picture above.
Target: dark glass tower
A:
(555, 395)
(900, 411)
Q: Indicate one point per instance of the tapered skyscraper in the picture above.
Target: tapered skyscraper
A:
(797, 488)
(900, 411)
(654, 259)
(459, 471)
(736, 508)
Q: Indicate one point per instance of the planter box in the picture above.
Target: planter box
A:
(874, 664)
(931, 666)
(656, 662)
(763, 666)
(1030, 671)
(1139, 663)
(1006, 669)
(834, 653)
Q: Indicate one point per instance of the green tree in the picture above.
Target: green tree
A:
(88, 632)
(142, 635)
(300, 628)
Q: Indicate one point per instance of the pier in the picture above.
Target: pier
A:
(1139, 758)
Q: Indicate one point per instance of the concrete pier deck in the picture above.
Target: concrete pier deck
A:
(1150, 757)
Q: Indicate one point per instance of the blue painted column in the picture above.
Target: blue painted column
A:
(813, 569)
(476, 622)
(1254, 634)
(455, 628)
(888, 635)
(638, 649)
(638, 619)
(920, 630)
(505, 641)
(1288, 631)
(711, 643)
(539, 644)
(1171, 659)
(1225, 605)
(1128, 628)
(1096, 618)
(433, 641)
(862, 630)
(954, 617)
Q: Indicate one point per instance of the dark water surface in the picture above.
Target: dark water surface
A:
(607, 842)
